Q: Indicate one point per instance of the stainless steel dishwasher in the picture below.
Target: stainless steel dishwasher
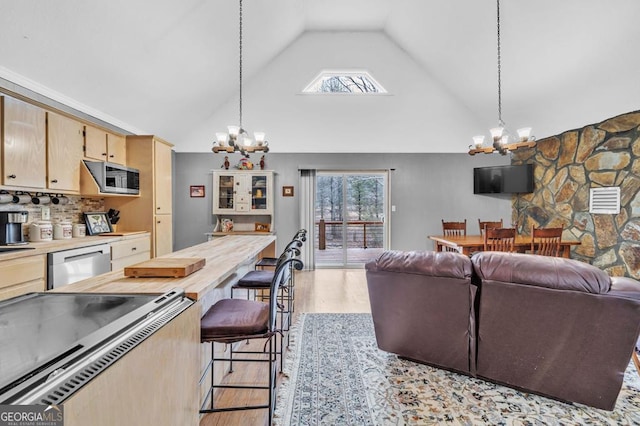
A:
(68, 266)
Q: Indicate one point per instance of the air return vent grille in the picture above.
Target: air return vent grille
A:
(604, 200)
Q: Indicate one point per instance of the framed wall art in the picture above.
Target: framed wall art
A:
(287, 191)
(196, 191)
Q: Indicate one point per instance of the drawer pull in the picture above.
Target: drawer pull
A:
(134, 248)
(11, 176)
(54, 180)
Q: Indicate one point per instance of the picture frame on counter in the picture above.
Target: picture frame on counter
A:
(196, 191)
(97, 223)
(262, 227)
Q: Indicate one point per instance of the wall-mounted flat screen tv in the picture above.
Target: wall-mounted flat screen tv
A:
(503, 179)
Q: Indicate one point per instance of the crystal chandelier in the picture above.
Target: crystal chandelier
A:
(236, 138)
(503, 142)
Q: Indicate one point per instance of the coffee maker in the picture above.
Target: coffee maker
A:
(11, 227)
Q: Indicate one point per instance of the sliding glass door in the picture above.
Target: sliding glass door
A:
(350, 213)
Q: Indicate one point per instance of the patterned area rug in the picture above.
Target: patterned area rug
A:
(336, 375)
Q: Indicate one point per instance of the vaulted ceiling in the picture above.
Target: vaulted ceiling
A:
(170, 68)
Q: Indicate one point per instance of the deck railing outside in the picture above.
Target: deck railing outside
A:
(360, 234)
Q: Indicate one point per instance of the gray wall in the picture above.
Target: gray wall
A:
(425, 188)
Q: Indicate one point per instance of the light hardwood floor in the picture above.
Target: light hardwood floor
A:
(320, 291)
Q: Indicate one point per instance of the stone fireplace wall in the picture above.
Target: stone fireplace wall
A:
(566, 166)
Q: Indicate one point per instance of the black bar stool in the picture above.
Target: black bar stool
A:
(297, 240)
(261, 280)
(233, 320)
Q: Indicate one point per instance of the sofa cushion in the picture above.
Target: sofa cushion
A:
(541, 271)
(429, 263)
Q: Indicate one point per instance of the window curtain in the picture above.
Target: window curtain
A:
(307, 216)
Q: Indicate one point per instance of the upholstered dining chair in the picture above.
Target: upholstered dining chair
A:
(488, 224)
(230, 321)
(499, 239)
(546, 241)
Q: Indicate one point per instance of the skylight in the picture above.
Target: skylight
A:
(344, 82)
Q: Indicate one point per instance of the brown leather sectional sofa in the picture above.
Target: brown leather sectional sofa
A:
(552, 326)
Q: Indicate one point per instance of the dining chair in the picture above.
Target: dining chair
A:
(454, 229)
(488, 224)
(499, 239)
(546, 241)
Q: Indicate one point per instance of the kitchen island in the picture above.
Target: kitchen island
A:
(158, 381)
(225, 258)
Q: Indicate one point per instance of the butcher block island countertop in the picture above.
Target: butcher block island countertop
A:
(223, 256)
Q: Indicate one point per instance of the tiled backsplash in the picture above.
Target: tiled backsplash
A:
(71, 212)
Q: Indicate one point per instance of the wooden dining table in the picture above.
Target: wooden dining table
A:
(472, 243)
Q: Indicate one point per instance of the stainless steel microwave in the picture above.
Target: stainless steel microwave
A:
(115, 178)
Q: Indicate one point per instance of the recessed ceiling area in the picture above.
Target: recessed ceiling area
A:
(171, 68)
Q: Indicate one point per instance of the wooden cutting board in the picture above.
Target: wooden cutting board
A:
(165, 267)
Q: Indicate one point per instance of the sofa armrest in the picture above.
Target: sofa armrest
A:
(625, 287)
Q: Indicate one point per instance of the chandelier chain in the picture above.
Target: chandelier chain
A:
(500, 122)
(240, 67)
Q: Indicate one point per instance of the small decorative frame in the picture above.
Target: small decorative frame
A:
(287, 191)
(97, 223)
(262, 227)
(196, 191)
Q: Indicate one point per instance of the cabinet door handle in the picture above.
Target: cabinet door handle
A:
(159, 221)
(111, 156)
(104, 153)
(11, 176)
(54, 180)
(134, 248)
(157, 208)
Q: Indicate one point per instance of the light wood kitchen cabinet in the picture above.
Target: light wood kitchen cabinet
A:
(151, 211)
(162, 184)
(164, 233)
(102, 145)
(130, 251)
(24, 144)
(64, 152)
(22, 275)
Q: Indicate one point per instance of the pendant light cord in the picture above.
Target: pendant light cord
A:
(240, 67)
(500, 122)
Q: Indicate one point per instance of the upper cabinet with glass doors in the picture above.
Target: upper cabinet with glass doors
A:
(243, 192)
